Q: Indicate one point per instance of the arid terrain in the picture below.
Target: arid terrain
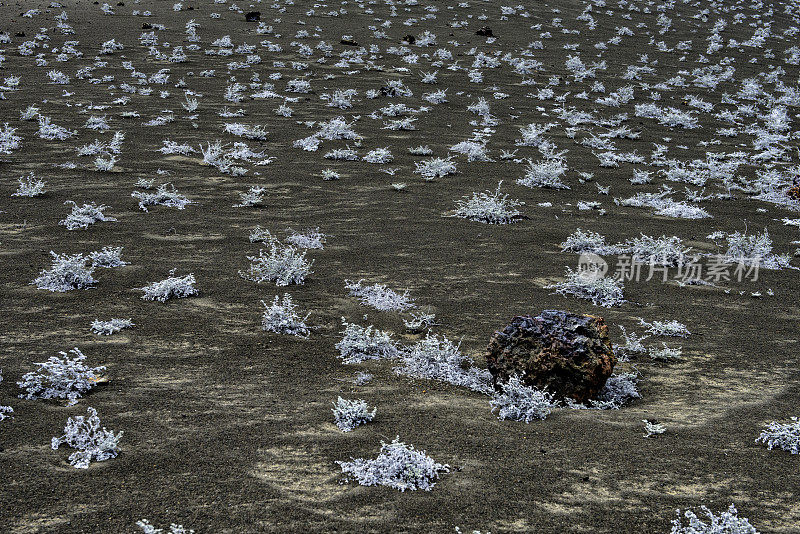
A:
(228, 426)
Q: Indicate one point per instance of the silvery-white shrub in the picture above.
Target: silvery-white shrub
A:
(28, 114)
(665, 328)
(380, 297)
(330, 174)
(435, 168)
(397, 466)
(309, 144)
(60, 378)
(148, 528)
(83, 216)
(618, 391)
(360, 343)
(421, 150)
(282, 317)
(784, 436)
(173, 147)
(592, 242)
(30, 186)
(342, 154)
(256, 132)
(92, 442)
(656, 250)
(165, 195)
(420, 321)
(754, 250)
(602, 291)
(665, 353)
(440, 359)
(653, 429)
(5, 411)
(53, 132)
(252, 197)
(436, 97)
(546, 173)
(379, 155)
(105, 164)
(519, 402)
(8, 140)
(283, 264)
(474, 150)
(348, 414)
(174, 286)
(112, 326)
(310, 238)
(66, 273)
(489, 207)
(633, 345)
(362, 377)
(107, 257)
(336, 128)
(727, 522)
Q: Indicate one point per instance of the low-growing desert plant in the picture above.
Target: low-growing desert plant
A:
(727, 522)
(147, 528)
(754, 250)
(633, 345)
(419, 322)
(546, 173)
(108, 257)
(252, 197)
(785, 436)
(93, 443)
(283, 264)
(665, 353)
(164, 195)
(519, 402)
(30, 186)
(618, 391)
(581, 242)
(656, 250)
(379, 296)
(60, 378)
(348, 414)
(83, 216)
(602, 291)
(665, 328)
(652, 429)
(361, 343)
(112, 326)
(489, 207)
(282, 317)
(67, 272)
(5, 411)
(310, 238)
(174, 286)
(440, 359)
(397, 466)
(435, 168)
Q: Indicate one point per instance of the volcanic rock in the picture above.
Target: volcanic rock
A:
(567, 354)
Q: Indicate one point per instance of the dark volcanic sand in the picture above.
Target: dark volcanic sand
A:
(228, 428)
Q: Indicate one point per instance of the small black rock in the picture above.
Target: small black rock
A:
(410, 39)
(486, 31)
(253, 16)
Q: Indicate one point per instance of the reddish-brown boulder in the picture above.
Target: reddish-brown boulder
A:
(567, 354)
